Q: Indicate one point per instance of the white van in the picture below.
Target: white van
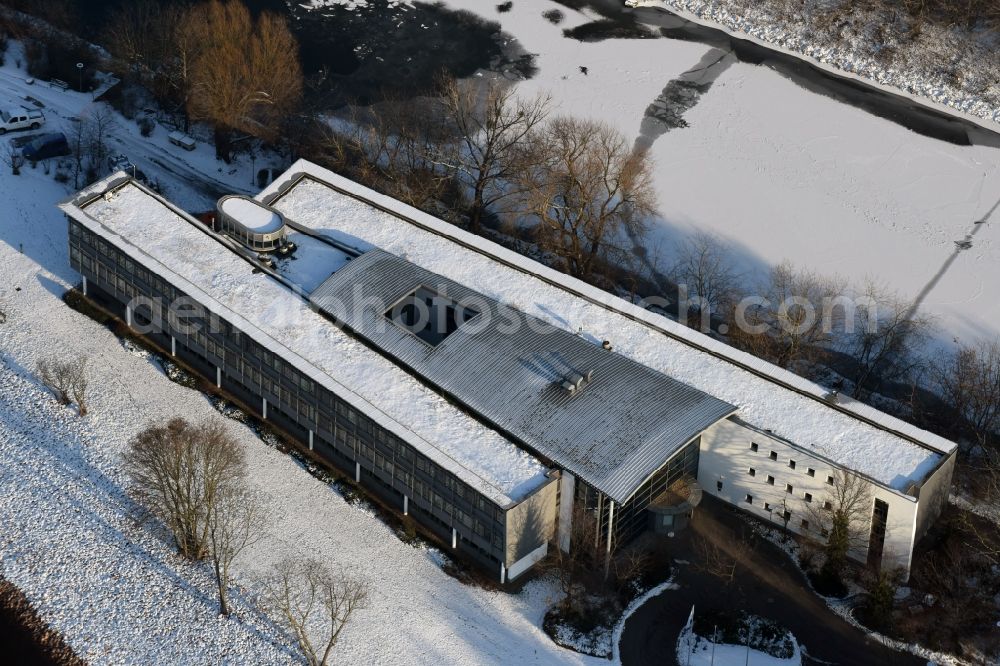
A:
(16, 119)
(181, 139)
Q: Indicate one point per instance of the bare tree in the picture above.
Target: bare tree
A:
(969, 380)
(78, 139)
(78, 384)
(887, 334)
(845, 514)
(588, 191)
(721, 556)
(67, 379)
(391, 146)
(246, 76)
(55, 376)
(235, 522)
(180, 471)
(794, 320)
(315, 604)
(139, 35)
(704, 270)
(491, 126)
(571, 565)
(12, 157)
(101, 124)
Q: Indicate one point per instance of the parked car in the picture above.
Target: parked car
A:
(45, 146)
(181, 139)
(20, 118)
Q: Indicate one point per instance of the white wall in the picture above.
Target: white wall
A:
(727, 456)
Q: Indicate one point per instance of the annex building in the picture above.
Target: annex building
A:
(479, 392)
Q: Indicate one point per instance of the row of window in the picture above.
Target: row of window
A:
(400, 458)
(773, 455)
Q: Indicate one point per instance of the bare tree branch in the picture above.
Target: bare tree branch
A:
(180, 471)
(315, 604)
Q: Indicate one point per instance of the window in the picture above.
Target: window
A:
(429, 315)
(808, 497)
(767, 507)
(770, 480)
(752, 472)
(804, 524)
(786, 515)
(811, 472)
(774, 455)
(788, 488)
(718, 486)
(828, 505)
(791, 464)
(753, 446)
(829, 480)
(748, 499)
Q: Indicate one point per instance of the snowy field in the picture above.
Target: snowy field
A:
(782, 172)
(68, 537)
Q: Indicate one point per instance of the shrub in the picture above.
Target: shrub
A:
(146, 126)
(553, 16)
(505, 7)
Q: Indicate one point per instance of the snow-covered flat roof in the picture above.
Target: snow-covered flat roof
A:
(852, 434)
(185, 253)
(312, 262)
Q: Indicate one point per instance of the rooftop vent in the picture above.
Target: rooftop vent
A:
(250, 222)
(606, 345)
(576, 382)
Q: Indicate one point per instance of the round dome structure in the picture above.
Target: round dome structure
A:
(257, 226)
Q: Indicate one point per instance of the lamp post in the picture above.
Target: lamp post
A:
(79, 69)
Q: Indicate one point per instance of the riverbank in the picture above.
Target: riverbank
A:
(970, 89)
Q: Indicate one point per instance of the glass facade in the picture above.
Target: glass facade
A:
(251, 373)
(631, 518)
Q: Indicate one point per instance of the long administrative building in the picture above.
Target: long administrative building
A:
(486, 396)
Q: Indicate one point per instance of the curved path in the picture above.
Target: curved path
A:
(767, 584)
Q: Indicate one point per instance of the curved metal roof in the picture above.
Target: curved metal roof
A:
(508, 369)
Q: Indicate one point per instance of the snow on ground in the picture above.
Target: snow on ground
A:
(114, 589)
(844, 607)
(785, 173)
(192, 179)
(693, 650)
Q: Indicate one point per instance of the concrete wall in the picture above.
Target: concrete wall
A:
(531, 525)
(567, 495)
(727, 456)
(934, 495)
